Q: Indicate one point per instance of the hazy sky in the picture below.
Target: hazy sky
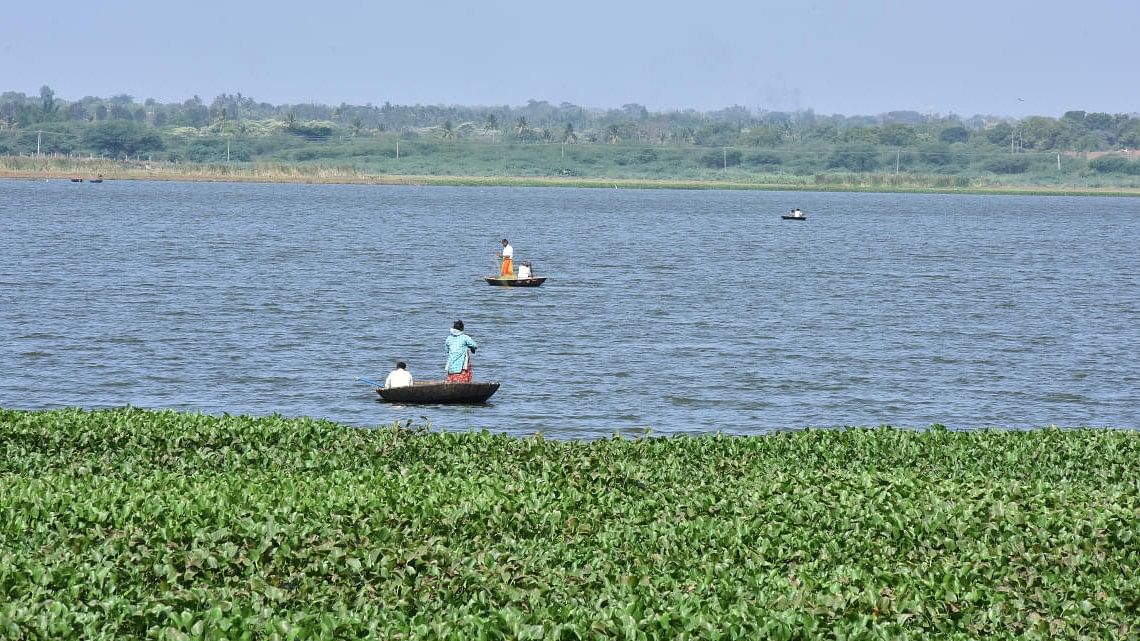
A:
(998, 57)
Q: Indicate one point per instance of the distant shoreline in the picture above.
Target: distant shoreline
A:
(338, 176)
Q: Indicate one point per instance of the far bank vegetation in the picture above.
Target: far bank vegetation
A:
(236, 134)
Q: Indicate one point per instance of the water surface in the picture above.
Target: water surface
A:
(675, 311)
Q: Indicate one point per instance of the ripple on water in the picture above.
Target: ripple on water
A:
(685, 313)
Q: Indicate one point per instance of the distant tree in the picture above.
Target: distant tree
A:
(356, 126)
(1099, 121)
(954, 133)
(447, 131)
(1000, 134)
(763, 136)
(49, 109)
(634, 111)
(77, 111)
(1042, 133)
(897, 135)
(195, 113)
(869, 135)
(613, 134)
(936, 153)
(121, 137)
(568, 134)
(1074, 117)
(491, 125)
(860, 156)
(521, 126)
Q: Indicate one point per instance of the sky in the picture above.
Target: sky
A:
(995, 57)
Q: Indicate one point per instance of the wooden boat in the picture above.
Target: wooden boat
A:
(791, 217)
(439, 392)
(504, 281)
(76, 180)
(95, 180)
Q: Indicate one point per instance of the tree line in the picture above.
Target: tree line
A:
(194, 131)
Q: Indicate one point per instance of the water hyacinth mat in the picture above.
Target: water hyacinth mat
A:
(131, 523)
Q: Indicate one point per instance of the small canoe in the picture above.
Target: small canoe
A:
(503, 281)
(76, 180)
(439, 392)
(790, 217)
(95, 180)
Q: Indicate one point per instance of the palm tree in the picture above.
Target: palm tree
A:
(613, 134)
(491, 126)
(521, 126)
(568, 134)
(448, 130)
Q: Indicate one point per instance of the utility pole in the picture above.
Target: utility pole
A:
(39, 134)
(898, 152)
(397, 148)
(227, 150)
(725, 150)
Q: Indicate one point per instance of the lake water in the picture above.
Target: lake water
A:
(675, 311)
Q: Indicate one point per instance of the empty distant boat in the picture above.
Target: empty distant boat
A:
(431, 392)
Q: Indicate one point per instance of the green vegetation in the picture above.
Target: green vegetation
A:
(1082, 151)
(141, 524)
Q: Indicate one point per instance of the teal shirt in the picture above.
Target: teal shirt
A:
(458, 345)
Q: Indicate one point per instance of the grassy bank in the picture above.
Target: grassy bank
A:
(66, 168)
(139, 524)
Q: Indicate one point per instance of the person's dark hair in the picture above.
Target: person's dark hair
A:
(457, 325)
(401, 365)
(505, 241)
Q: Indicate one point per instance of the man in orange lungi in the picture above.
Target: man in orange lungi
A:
(507, 269)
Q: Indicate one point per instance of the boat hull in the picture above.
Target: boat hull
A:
(499, 281)
(439, 392)
(786, 217)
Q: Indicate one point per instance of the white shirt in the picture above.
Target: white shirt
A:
(508, 252)
(524, 271)
(398, 378)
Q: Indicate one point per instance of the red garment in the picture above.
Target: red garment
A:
(461, 377)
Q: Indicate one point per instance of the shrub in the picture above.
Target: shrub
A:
(1114, 165)
(718, 160)
(764, 158)
(1007, 165)
(856, 157)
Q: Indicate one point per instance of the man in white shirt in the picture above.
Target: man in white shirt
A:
(400, 377)
(507, 269)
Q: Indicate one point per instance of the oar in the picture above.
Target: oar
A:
(370, 382)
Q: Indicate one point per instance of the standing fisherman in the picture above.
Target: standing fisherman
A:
(508, 267)
(460, 347)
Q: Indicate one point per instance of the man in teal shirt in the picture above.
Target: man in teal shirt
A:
(460, 346)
